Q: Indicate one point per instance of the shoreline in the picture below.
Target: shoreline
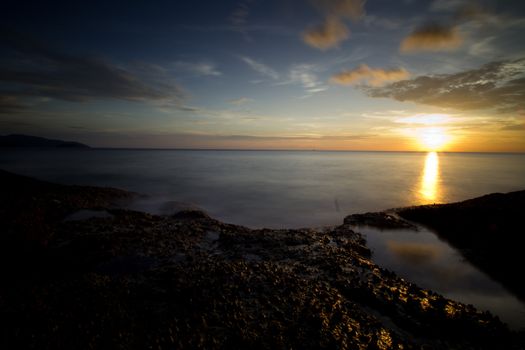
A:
(133, 280)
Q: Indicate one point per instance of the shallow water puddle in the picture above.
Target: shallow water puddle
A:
(421, 257)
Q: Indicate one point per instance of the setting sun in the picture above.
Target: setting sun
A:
(433, 139)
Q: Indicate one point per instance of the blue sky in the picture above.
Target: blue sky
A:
(287, 74)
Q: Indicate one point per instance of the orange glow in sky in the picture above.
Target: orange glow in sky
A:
(433, 139)
(289, 75)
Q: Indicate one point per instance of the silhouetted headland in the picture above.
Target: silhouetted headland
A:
(34, 141)
(79, 271)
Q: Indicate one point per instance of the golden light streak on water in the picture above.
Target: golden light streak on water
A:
(429, 188)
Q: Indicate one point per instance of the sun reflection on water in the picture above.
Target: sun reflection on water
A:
(429, 188)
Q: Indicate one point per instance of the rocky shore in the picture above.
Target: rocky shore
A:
(80, 272)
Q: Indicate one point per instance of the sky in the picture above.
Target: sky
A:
(395, 75)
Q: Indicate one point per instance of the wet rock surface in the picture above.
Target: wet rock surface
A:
(381, 220)
(132, 280)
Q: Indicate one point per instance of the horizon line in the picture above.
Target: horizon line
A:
(292, 150)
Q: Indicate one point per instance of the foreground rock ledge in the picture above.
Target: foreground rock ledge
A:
(131, 280)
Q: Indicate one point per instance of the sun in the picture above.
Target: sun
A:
(433, 139)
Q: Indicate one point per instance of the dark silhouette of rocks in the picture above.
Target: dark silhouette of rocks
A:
(34, 141)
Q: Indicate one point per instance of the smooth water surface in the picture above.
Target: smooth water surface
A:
(278, 188)
(421, 257)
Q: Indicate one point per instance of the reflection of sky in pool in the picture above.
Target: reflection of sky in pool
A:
(421, 257)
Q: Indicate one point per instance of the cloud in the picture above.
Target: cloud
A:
(261, 68)
(461, 16)
(514, 127)
(382, 22)
(239, 17)
(447, 5)
(496, 86)
(304, 75)
(432, 37)
(333, 30)
(214, 140)
(484, 47)
(240, 101)
(369, 76)
(33, 69)
(186, 108)
(200, 69)
(461, 10)
(351, 9)
(426, 119)
(10, 104)
(327, 35)
(290, 138)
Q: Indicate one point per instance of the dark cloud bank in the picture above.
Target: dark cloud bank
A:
(496, 85)
(31, 69)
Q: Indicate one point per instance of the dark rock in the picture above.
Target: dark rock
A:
(382, 220)
(190, 214)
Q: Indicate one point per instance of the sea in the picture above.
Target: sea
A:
(293, 189)
(278, 189)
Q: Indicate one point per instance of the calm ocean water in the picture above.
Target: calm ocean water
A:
(310, 189)
(279, 188)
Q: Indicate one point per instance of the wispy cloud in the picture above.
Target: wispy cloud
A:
(216, 140)
(260, 68)
(304, 74)
(200, 68)
(498, 86)
(294, 137)
(239, 17)
(369, 76)
(483, 47)
(240, 101)
(184, 108)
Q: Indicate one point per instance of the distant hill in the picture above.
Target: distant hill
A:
(34, 141)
